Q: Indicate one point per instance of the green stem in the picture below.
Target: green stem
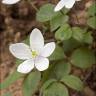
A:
(77, 18)
(36, 9)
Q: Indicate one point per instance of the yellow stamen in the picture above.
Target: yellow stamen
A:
(34, 54)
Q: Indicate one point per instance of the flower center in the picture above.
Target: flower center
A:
(34, 54)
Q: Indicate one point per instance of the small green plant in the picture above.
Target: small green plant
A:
(72, 49)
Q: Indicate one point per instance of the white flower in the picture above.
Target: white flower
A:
(65, 3)
(10, 1)
(34, 55)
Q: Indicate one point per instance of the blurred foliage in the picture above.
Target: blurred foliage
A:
(92, 16)
(7, 94)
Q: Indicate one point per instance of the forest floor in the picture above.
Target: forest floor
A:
(16, 22)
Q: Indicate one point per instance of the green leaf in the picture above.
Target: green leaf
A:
(30, 83)
(88, 38)
(58, 21)
(78, 33)
(92, 22)
(70, 45)
(65, 11)
(10, 79)
(73, 82)
(26, 41)
(83, 58)
(58, 54)
(47, 84)
(46, 13)
(56, 70)
(92, 10)
(56, 89)
(61, 68)
(18, 61)
(48, 74)
(63, 33)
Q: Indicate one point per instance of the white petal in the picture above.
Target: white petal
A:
(69, 3)
(20, 50)
(48, 49)
(41, 63)
(60, 5)
(10, 1)
(26, 66)
(36, 40)
(77, 0)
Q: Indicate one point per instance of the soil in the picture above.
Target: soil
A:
(16, 23)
